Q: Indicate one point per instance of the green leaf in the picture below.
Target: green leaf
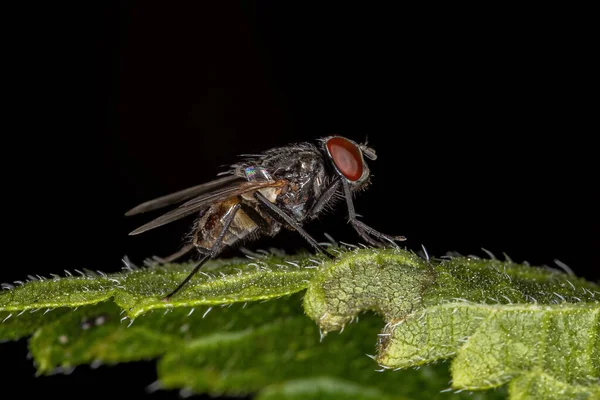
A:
(497, 322)
(101, 334)
(15, 325)
(140, 290)
(238, 349)
(323, 388)
(250, 359)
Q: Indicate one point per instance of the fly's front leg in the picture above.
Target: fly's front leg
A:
(325, 198)
(364, 230)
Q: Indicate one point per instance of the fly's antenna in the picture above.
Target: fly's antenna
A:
(366, 150)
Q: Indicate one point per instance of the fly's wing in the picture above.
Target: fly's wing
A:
(183, 195)
(205, 200)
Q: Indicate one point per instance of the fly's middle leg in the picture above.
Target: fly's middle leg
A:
(281, 215)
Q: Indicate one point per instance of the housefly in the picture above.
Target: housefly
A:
(282, 187)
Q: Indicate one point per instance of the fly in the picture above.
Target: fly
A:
(282, 187)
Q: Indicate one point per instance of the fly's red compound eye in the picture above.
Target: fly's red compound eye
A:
(346, 156)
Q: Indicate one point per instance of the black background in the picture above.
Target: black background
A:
(480, 119)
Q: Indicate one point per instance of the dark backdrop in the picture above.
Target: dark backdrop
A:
(479, 118)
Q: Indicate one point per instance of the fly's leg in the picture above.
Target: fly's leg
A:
(325, 198)
(279, 214)
(364, 230)
(209, 253)
(197, 267)
(156, 260)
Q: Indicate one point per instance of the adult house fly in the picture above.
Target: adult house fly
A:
(282, 187)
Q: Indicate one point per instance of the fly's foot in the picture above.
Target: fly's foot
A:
(155, 261)
(374, 237)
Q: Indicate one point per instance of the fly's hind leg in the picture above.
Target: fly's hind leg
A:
(156, 260)
(208, 253)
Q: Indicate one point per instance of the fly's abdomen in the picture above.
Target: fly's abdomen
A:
(241, 227)
(212, 223)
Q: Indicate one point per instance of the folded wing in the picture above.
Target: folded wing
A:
(204, 200)
(183, 195)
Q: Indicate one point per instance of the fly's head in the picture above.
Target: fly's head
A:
(348, 160)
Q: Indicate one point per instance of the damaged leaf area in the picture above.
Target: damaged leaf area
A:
(302, 327)
(499, 322)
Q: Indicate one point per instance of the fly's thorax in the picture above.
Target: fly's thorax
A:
(270, 193)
